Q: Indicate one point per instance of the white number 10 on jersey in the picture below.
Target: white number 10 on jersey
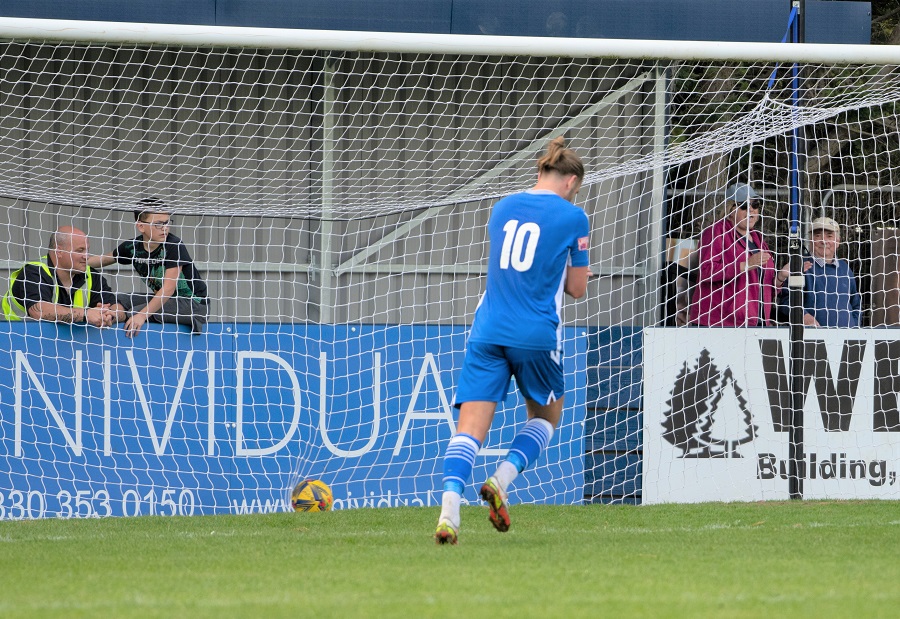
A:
(516, 249)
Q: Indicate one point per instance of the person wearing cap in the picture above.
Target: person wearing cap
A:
(736, 284)
(830, 294)
(61, 287)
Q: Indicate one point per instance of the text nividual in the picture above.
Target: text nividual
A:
(428, 378)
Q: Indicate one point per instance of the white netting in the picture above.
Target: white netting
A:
(355, 135)
(335, 203)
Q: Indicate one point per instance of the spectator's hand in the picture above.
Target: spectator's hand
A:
(783, 274)
(806, 266)
(759, 259)
(133, 325)
(810, 321)
(98, 316)
(108, 315)
(117, 313)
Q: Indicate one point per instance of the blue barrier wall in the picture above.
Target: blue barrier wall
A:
(827, 21)
(94, 423)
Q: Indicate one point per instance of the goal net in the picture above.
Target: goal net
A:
(333, 191)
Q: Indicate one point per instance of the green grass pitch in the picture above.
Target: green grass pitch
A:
(798, 559)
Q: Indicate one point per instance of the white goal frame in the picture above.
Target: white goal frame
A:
(386, 240)
(209, 36)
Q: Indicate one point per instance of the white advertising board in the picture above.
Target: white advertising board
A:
(717, 411)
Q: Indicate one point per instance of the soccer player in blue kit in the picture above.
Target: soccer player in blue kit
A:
(539, 244)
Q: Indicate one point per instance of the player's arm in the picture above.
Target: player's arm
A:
(98, 262)
(576, 281)
(579, 254)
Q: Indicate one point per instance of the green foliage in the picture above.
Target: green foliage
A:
(885, 18)
(800, 559)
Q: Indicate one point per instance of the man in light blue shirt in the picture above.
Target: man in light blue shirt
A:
(539, 245)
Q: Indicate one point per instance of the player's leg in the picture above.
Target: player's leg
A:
(539, 376)
(459, 458)
(484, 381)
(530, 442)
(526, 448)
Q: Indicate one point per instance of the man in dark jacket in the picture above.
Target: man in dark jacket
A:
(830, 294)
(61, 287)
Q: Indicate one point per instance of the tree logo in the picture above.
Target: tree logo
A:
(708, 416)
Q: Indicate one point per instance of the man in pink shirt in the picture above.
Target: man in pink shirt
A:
(736, 283)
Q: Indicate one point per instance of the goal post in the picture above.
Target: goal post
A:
(333, 189)
(433, 43)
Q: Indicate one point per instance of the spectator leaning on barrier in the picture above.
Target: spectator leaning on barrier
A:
(178, 292)
(736, 280)
(830, 294)
(61, 287)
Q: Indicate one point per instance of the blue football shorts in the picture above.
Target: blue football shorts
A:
(487, 369)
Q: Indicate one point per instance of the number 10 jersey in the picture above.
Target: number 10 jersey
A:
(534, 236)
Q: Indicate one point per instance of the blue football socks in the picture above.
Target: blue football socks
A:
(530, 442)
(458, 462)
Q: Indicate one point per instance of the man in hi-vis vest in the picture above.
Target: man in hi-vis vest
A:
(61, 287)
